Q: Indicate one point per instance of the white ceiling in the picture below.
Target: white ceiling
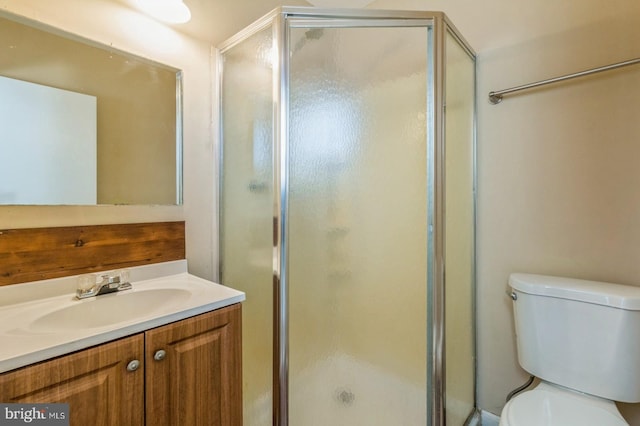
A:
(486, 24)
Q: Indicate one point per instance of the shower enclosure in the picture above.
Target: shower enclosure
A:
(347, 216)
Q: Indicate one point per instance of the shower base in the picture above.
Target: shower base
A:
(340, 390)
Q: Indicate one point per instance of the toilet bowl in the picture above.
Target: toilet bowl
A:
(552, 405)
(582, 340)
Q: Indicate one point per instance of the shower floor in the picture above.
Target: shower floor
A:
(341, 390)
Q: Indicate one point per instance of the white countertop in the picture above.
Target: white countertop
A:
(26, 335)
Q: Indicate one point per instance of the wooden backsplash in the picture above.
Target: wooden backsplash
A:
(42, 253)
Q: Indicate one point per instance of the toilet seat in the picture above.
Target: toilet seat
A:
(552, 405)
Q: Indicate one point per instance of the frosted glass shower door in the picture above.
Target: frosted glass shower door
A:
(357, 226)
(246, 210)
(460, 232)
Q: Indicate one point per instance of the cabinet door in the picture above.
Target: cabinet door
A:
(94, 382)
(197, 380)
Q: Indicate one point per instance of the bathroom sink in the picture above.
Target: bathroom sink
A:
(33, 329)
(109, 309)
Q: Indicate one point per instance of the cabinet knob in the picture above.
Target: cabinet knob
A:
(133, 365)
(159, 355)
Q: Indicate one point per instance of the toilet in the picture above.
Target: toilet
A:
(582, 340)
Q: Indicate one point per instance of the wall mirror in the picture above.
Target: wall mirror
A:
(83, 124)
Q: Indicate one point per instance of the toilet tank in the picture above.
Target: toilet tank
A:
(584, 335)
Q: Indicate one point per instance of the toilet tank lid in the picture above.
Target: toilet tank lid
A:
(601, 293)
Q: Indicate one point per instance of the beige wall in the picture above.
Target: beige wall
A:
(111, 23)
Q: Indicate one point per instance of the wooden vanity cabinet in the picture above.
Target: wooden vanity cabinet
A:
(94, 382)
(194, 371)
(189, 373)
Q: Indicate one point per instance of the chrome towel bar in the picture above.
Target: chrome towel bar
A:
(496, 97)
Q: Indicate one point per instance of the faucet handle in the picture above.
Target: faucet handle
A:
(124, 276)
(86, 281)
(86, 286)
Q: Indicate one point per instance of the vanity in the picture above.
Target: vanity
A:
(165, 352)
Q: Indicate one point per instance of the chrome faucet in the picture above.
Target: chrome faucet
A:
(91, 285)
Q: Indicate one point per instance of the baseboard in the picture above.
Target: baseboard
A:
(482, 418)
(489, 419)
(474, 419)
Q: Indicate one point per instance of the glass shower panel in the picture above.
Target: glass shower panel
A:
(246, 209)
(357, 226)
(459, 232)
